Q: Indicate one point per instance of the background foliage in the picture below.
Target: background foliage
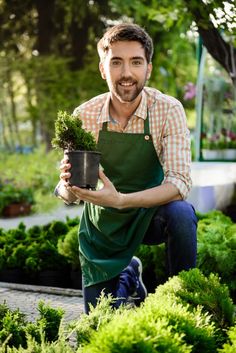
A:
(49, 62)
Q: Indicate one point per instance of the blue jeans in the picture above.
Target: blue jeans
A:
(174, 224)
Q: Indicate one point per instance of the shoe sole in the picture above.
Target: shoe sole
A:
(140, 267)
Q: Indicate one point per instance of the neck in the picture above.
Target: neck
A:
(122, 111)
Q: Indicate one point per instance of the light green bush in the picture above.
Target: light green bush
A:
(230, 346)
(194, 289)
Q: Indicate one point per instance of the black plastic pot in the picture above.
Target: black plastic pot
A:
(84, 168)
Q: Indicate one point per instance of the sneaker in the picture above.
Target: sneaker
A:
(140, 291)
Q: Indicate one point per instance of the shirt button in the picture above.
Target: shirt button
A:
(147, 137)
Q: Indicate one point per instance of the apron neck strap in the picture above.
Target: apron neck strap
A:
(104, 126)
(146, 125)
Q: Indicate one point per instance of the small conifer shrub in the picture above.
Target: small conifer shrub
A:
(70, 135)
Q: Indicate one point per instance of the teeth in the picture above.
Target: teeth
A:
(126, 83)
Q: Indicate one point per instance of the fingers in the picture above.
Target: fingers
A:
(64, 167)
(104, 178)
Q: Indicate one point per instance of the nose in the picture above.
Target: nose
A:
(126, 71)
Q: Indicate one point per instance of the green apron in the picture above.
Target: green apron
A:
(108, 237)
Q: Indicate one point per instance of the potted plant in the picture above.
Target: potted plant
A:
(80, 147)
(15, 201)
(212, 146)
(220, 145)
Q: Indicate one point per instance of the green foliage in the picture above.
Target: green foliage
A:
(217, 247)
(51, 319)
(135, 332)
(230, 346)
(69, 247)
(192, 288)
(24, 336)
(36, 248)
(60, 346)
(69, 134)
(98, 316)
(159, 325)
(195, 326)
(12, 327)
(190, 312)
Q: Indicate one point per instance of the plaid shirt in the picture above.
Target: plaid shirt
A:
(168, 127)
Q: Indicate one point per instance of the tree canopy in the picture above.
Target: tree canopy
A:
(49, 62)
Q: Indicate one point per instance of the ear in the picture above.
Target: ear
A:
(149, 70)
(102, 71)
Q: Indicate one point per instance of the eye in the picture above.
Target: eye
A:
(137, 62)
(115, 62)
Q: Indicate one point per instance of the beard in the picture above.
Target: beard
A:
(127, 94)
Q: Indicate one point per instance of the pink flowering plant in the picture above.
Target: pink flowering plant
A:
(225, 139)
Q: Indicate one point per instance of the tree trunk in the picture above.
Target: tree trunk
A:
(10, 88)
(45, 9)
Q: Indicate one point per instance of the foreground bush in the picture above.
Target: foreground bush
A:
(16, 331)
(217, 248)
(230, 346)
(189, 313)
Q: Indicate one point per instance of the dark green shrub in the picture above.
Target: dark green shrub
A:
(49, 258)
(17, 257)
(34, 233)
(69, 134)
(58, 228)
(72, 222)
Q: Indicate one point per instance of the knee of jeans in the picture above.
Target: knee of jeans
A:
(180, 211)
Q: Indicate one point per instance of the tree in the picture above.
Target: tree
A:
(215, 21)
(50, 42)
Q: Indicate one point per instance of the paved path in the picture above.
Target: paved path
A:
(26, 298)
(57, 214)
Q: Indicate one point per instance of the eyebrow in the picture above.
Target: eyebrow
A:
(133, 58)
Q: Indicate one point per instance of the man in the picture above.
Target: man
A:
(144, 140)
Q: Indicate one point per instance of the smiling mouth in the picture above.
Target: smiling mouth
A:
(126, 84)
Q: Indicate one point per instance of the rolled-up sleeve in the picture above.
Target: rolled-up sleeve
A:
(176, 150)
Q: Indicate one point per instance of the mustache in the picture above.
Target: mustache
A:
(127, 79)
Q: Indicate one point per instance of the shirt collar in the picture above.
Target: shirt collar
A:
(140, 112)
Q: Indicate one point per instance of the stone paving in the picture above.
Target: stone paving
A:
(26, 298)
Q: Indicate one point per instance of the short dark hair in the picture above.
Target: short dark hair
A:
(125, 32)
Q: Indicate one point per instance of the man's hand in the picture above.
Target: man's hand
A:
(64, 167)
(108, 196)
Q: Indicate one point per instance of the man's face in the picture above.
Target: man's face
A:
(126, 70)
